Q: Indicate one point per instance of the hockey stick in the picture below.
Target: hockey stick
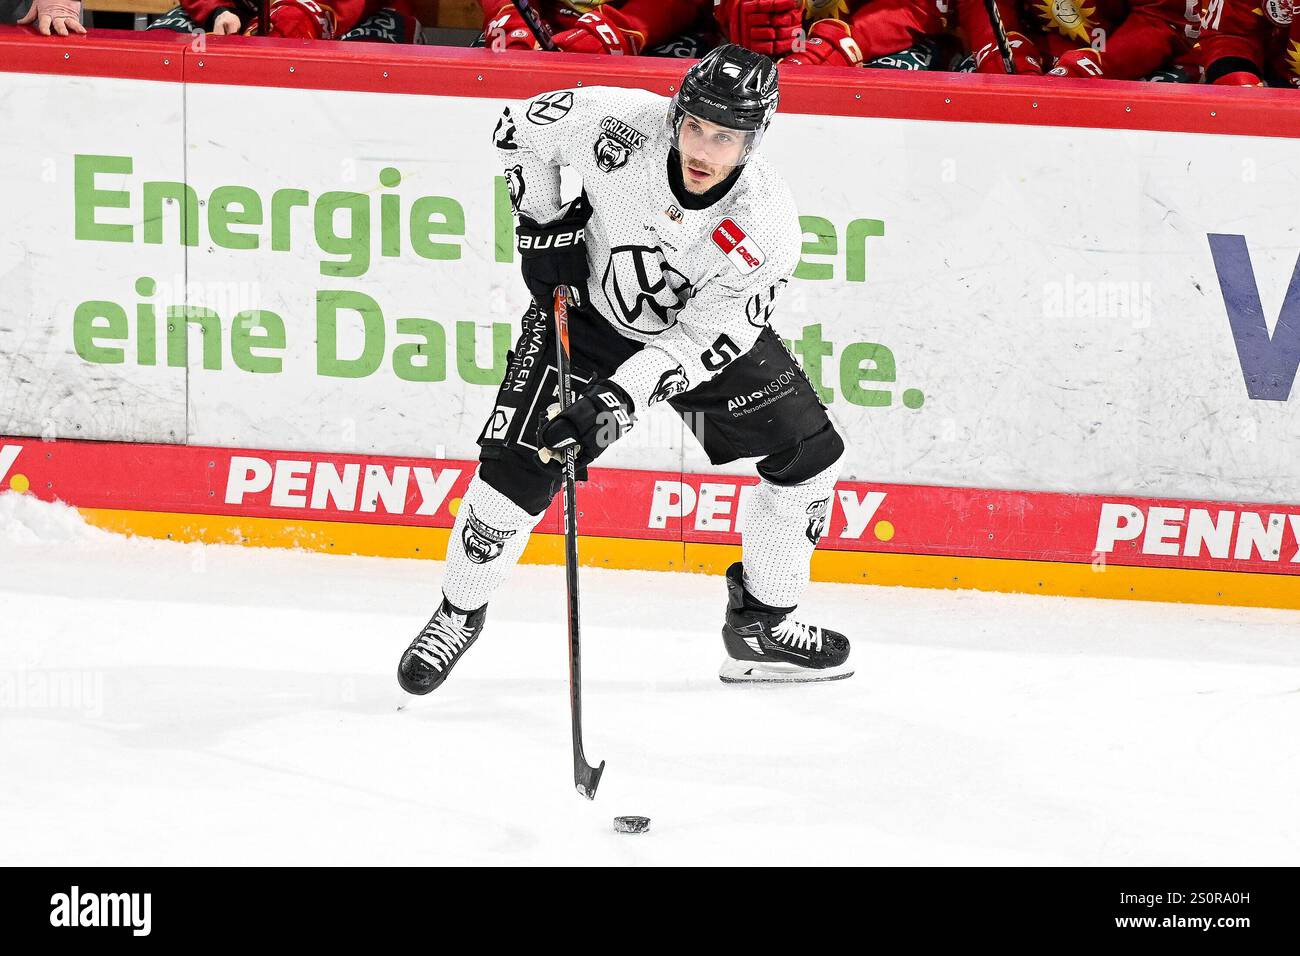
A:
(264, 20)
(1000, 34)
(585, 777)
(538, 26)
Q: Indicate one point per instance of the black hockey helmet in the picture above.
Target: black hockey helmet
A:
(732, 87)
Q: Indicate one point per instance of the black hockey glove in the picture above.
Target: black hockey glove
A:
(591, 424)
(555, 254)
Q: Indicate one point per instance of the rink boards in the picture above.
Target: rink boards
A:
(1057, 322)
(1034, 542)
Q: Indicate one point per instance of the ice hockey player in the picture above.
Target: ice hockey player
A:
(1079, 39)
(616, 27)
(1251, 44)
(881, 34)
(373, 21)
(680, 246)
(770, 27)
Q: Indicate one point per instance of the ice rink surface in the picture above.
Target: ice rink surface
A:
(164, 703)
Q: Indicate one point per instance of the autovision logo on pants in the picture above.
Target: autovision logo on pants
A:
(77, 909)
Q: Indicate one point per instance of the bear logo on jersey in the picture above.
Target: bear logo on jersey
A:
(644, 292)
(515, 184)
(614, 148)
(551, 107)
(611, 154)
(817, 513)
(672, 382)
(482, 543)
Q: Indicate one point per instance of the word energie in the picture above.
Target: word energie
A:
(237, 217)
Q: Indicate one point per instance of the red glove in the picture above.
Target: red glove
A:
(830, 43)
(1024, 56)
(764, 26)
(301, 18)
(599, 33)
(507, 30)
(1078, 64)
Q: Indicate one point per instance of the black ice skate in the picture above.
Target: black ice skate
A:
(766, 645)
(438, 647)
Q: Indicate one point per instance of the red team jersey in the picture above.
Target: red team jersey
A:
(315, 19)
(595, 26)
(1131, 38)
(881, 27)
(857, 32)
(1240, 38)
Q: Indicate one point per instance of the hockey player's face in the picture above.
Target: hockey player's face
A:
(709, 153)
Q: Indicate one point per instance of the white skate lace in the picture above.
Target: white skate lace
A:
(792, 633)
(440, 641)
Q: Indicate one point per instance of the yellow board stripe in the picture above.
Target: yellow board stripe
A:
(375, 540)
(1178, 585)
(855, 567)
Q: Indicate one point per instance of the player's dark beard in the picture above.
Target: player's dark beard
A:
(689, 200)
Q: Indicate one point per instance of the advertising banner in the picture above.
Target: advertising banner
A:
(1034, 541)
(1058, 343)
(981, 305)
(67, 283)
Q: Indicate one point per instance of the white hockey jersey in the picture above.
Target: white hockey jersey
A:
(696, 285)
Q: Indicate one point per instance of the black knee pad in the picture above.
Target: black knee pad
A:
(521, 478)
(810, 457)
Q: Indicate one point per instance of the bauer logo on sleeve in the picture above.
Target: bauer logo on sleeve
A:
(743, 252)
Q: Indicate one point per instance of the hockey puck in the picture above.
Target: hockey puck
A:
(631, 824)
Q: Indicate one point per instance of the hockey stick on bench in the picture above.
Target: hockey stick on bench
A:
(1000, 35)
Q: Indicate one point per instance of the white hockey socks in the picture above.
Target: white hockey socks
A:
(486, 541)
(780, 531)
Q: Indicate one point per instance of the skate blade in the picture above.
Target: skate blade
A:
(758, 672)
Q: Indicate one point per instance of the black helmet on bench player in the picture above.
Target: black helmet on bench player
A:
(732, 87)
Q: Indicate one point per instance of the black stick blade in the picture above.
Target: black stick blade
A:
(587, 778)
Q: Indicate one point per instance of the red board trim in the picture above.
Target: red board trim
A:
(453, 71)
